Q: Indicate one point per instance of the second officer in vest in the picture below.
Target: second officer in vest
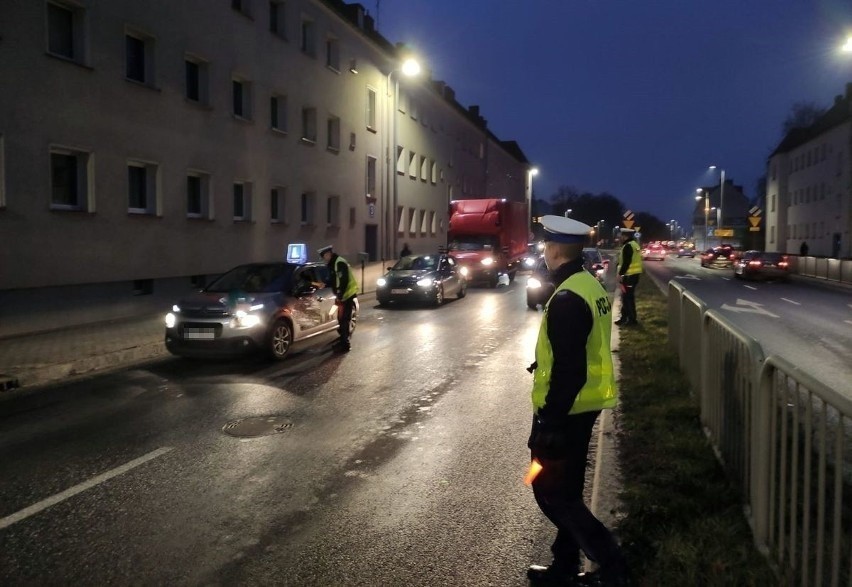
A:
(573, 381)
(345, 289)
(629, 270)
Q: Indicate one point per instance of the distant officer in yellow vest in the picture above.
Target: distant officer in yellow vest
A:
(629, 270)
(573, 381)
(345, 289)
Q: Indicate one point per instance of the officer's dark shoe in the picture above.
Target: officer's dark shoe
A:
(341, 347)
(597, 579)
(540, 575)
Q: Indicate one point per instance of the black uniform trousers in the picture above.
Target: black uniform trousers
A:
(628, 298)
(344, 319)
(558, 490)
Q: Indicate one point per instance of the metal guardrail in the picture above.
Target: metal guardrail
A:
(836, 270)
(781, 435)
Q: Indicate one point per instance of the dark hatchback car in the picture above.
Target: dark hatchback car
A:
(422, 278)
(721, 256)
(540, 285)
(762, 265)
(255, 307)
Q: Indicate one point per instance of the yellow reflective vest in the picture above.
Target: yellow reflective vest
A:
(351, 285)
(599, 391)
(635, 267)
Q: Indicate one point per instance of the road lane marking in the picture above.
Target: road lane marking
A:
(687, 277)
(751, 287)
(62, 496)
(751, 307)
(791, 301)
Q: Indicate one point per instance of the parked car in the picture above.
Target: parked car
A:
(255, 307)
(595, 263)
(721, 256)
(422, 278)
(654, 251)
(762, 265)
(685, 252)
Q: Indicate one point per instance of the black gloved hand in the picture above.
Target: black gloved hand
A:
(548, 442)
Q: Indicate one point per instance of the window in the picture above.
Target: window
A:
(141, 187)
(70, 185)
(241, 98)
(309, 125)
(242, 6)
(332, 212)
(333, 127)
(2, 173)
(423, 226)
(400, 160)
(371, 109)
(412, 221)
(139, 58)
(332, 53)
(198, 195)
(306, 212)
(433, 174)
(242, 201)
(278, 112)
(65, 24)
(197, 80)
(424, 168)
(277, 199)
(371, 177)
(433, 223)
(308, 38)
(278, 18)
(773, 202)
(412, 165)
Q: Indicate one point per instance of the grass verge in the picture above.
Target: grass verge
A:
(683, 520)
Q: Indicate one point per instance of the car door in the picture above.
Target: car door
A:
(449, 276)
(309, 308)
(326, 298)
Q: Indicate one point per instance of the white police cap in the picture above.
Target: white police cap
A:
(324, 250)
(564, 230)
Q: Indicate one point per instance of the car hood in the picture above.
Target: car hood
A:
(220, 302)
(471, 256)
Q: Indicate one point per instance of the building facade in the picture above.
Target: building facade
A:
(809, 186)
(146, 146)
(721, 216)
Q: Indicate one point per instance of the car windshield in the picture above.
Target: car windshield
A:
(417, 263)
(255, 279)
(472, 243)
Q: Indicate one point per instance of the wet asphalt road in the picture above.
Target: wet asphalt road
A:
(399, 463)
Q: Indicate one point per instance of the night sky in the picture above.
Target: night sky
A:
(632, 97)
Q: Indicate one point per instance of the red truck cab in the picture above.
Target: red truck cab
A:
(489, 237)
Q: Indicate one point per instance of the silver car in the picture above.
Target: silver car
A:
(256, 307)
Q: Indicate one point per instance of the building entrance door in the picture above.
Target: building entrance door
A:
(371, 241)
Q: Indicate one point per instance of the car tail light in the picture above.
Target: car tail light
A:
(755, 263)
(782, 264)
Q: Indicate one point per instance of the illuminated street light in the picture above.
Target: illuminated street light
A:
(568, 212)
(721, 197)
(847, 46)
(706, 196)
(409, 68)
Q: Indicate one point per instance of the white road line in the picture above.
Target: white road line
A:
(50, 501)
(750, 287)
(848, 321)
(791, 301)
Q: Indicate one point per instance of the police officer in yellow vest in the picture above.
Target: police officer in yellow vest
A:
(629, 270)
(345, 289)
(573, 381)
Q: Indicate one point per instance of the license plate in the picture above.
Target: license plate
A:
(198, 333)
(399, 291)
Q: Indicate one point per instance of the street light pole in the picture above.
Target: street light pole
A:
(721, 197)
(532, 173)
(410, 67)
(706, 197)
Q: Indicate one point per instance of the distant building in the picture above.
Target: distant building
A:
(728, 226)
(145, 146)
(809, 186)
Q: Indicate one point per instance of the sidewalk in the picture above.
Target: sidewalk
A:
(30, 360)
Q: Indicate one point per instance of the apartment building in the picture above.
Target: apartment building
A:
(809, 186)
(721, 216)
(145, 146)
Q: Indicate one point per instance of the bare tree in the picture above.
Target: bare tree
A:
(802, 115)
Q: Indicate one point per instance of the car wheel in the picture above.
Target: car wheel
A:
(353, 322)
(439, 296)
(493, 281)
(462, 289)
(532, 306)
(511, 276)
(280, 339)
(381, 303)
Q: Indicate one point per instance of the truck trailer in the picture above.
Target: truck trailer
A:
(489, 237)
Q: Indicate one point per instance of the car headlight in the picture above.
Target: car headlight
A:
(243, 319)
(426, 282)
(488, 261)
(533, 283)
(171, 320)
(381, 282)
(529, 261)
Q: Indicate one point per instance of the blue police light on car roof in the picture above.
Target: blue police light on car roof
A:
(297, 253)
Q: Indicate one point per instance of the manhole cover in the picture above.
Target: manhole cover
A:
(258, 426)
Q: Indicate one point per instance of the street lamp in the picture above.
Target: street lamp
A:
(532, 173)
(409, 68)
(706, 198)
(721, 197)
(847, 46)
(568, 212)
(672, 223)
